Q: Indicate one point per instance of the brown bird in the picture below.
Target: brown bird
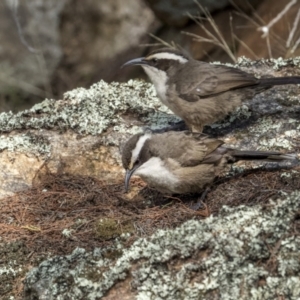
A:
(183, 162)
(198, 92)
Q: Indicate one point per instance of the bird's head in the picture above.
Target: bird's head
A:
(134, 154)
(160, 64)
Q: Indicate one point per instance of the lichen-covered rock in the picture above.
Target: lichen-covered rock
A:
(90, 111)
(243, 253)
(83, 133)
(86, 127)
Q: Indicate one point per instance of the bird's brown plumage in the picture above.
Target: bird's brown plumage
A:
(202, 93)
(185, 162)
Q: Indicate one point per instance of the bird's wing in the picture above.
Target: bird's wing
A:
(204, 80)
(187, 148)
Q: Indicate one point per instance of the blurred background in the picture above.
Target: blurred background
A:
(51, 46)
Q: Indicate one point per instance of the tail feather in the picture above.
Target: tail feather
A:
(279, 81)
(262, 155)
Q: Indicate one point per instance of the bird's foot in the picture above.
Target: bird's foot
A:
(200, 204)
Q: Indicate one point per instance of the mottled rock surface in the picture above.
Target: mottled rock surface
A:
(83, 132)
(244, 253)
(238, 252)
(80, 134)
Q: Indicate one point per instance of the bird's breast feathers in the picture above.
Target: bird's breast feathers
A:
(156, 174)
(159, 79)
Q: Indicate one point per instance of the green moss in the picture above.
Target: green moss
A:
(107, 228)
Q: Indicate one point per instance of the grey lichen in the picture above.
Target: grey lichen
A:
(275, 63)
(286, 140)
(29, 142)
(14, 259)
(123, 108)
(220, 256)
(278, 63)
(241, 113)
(91, 111)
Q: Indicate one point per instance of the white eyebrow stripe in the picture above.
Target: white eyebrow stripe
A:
(139, 145)
(167, 55)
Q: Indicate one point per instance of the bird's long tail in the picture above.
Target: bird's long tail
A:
(279, 81)
(262, 155)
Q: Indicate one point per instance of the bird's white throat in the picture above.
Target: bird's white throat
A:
(155, 172)
(159, 79)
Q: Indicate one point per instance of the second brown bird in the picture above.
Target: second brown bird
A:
(183, 162)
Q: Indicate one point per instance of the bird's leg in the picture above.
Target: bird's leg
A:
(199, 204)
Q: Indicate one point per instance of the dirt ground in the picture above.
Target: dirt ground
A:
(63, 212)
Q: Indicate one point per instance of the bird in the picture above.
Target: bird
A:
(198, 92)
(183, 162)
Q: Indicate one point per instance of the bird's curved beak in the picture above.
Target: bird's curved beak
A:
(128, 175)
(136, 61)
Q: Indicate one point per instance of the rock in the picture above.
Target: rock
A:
(249, 251)
(82, 133)
(75, 44)
(86, 127)
(31, 53)
(98, 37)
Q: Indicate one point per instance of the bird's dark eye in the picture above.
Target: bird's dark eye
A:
(136, 162)
(154, 60)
